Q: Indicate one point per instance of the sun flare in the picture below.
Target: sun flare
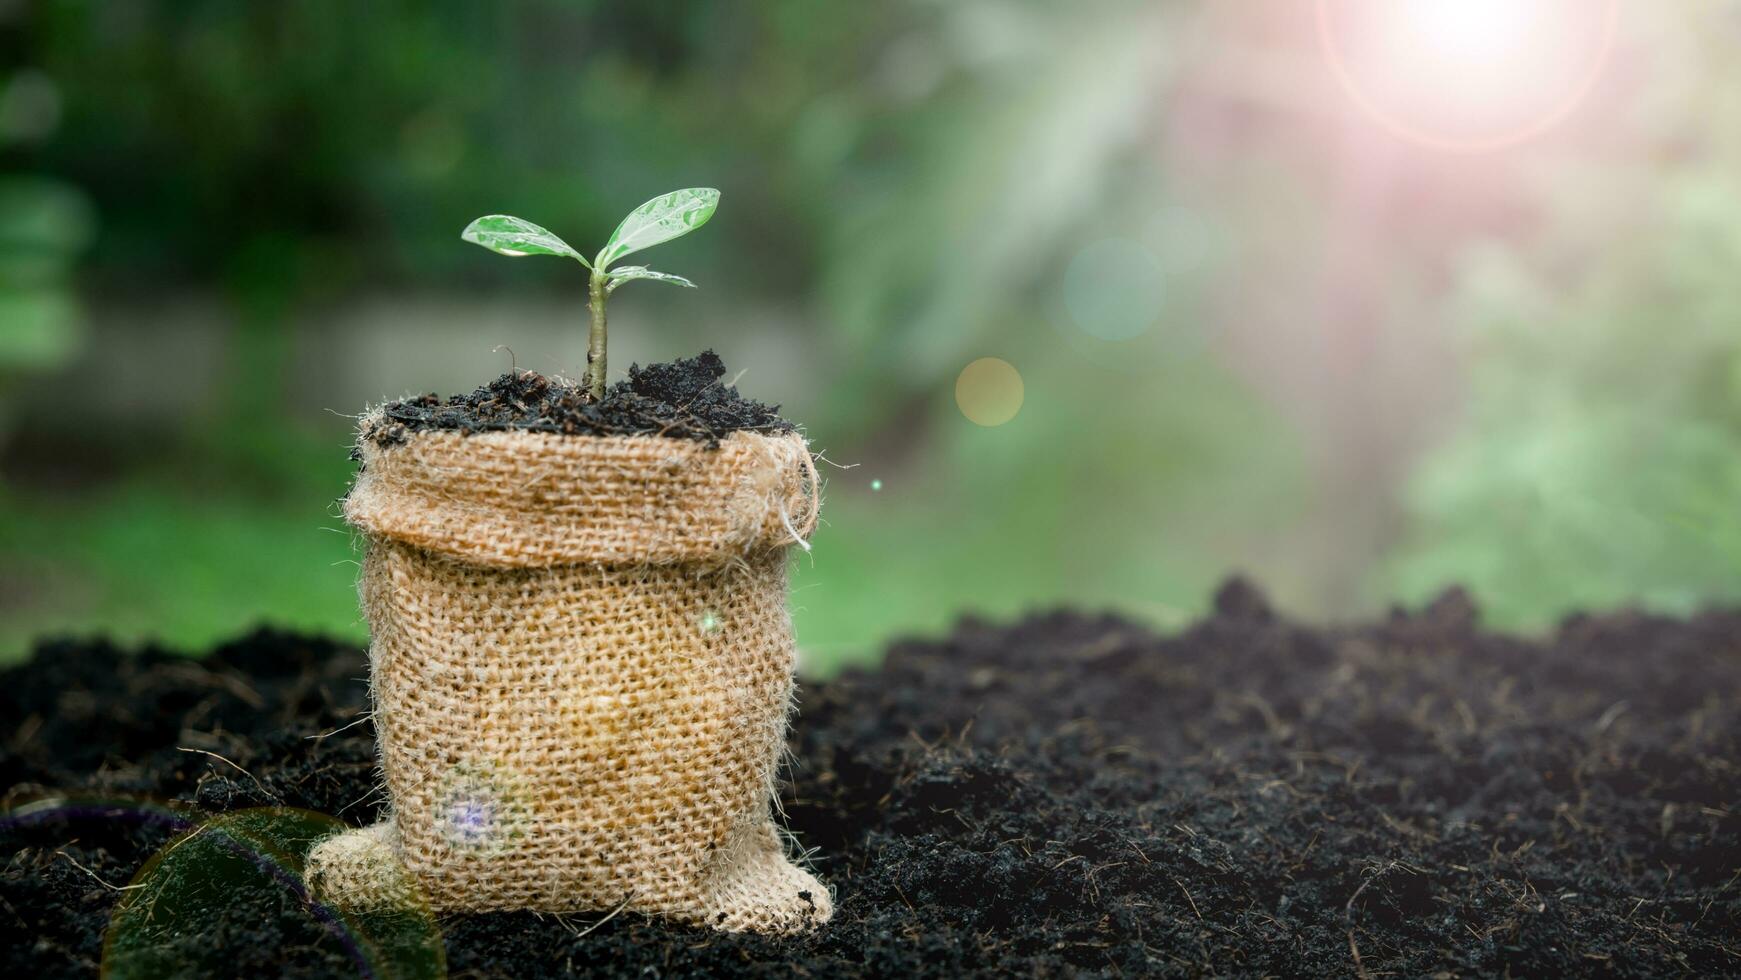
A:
(1467, 74)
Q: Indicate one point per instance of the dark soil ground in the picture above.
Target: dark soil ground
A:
(1069, 794)
(683, 399)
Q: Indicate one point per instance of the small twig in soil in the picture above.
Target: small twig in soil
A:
(1139, 852)
(1188, 898)
(322, 736)
(256, 779)
(15, 914)
(905, 900)
(99, 878)
(27, 730)
(608, 917)
(1354, 949)
(1348, 916)
(1613, 713)
(195, 673)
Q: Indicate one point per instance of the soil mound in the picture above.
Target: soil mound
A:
(683, 399)
(1071, 794)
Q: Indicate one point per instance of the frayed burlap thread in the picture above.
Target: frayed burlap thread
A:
(581, 673)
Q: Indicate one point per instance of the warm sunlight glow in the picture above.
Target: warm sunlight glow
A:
(1467, 34)
(1467, 74)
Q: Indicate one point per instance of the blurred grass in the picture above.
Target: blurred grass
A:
(1037, 513)
(201, 539)
(1599, 461)
(153, 560)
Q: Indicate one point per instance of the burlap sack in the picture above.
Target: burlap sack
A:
(581, 671)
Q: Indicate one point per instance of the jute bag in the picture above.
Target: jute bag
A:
(581, 670)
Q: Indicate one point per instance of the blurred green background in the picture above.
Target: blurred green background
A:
(1361, 301)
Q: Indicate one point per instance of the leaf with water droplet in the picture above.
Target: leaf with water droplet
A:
(663, 218)
(625, 273)
(509, 235)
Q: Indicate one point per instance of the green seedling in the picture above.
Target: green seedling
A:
(663, 218)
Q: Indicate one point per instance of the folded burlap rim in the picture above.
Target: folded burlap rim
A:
(520, 499)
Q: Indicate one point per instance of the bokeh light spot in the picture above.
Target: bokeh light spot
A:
(471, 821)
(710, 621)
(989, 391)
(1467, 74)
(1113, 289)
(876, 485)
(30, 107)
(478, 809)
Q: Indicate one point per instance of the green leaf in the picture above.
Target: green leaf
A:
(509, 235)
(660, 220)
(627, 272)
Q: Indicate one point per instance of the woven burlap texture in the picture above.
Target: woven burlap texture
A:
(581, 673)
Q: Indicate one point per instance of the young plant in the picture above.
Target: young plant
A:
(663, 218)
